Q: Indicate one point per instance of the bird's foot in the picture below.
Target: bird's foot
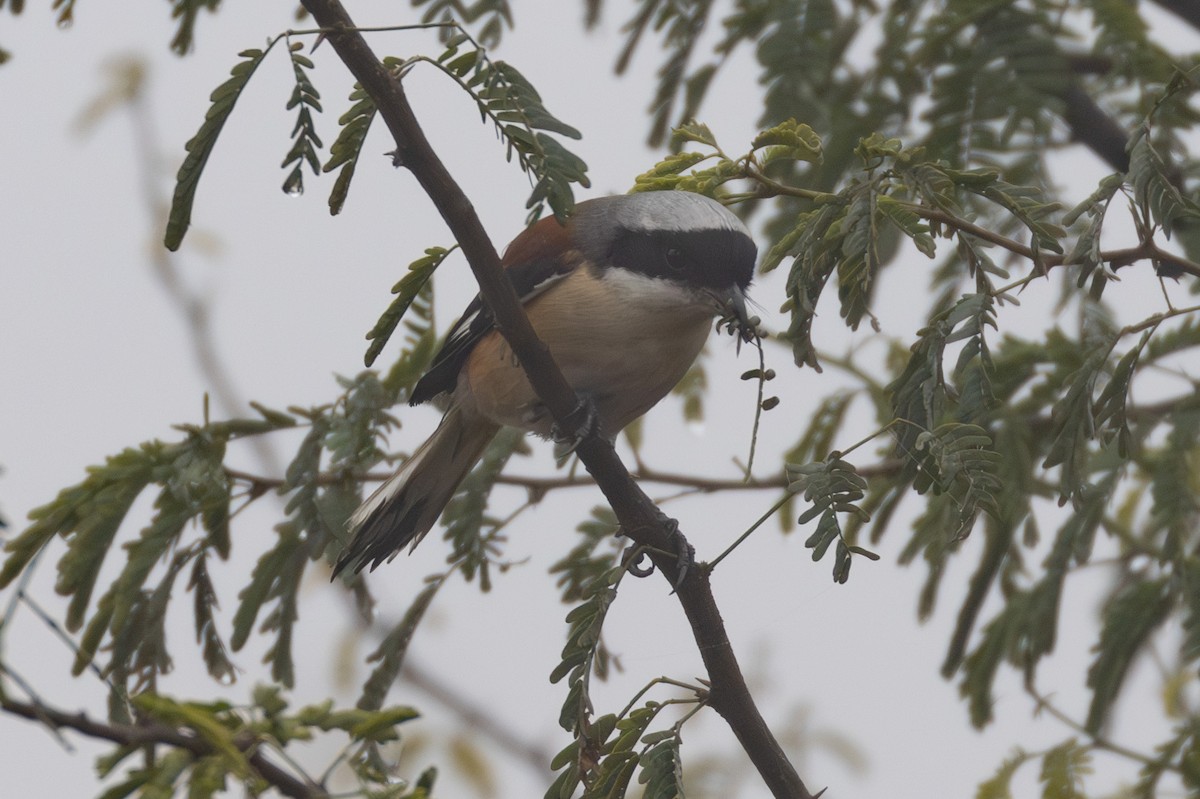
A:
(685, 555)
(582, 422)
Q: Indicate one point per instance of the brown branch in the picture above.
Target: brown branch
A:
(639, 517)
(538, 485)
(1095, 129)
(155, 733)
(1098, 740)
(1166, 263)
(261, 484)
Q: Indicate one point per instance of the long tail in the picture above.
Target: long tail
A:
(407, 505)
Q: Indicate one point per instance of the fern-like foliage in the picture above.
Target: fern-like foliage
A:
(305, 141)
(221, 753)
(189, 525)
(347, 147)
(832, 486)
(412, 288)
(187, 12)
(200, 147)
(606, 751)
(504, 97)
(490, 17)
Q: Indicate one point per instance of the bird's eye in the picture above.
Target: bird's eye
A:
(675, 259)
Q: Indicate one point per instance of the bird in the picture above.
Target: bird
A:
(624, 294)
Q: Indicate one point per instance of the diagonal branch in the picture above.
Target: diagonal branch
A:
(640, 518)
(1094, 128)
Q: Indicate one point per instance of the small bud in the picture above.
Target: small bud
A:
(769, 403)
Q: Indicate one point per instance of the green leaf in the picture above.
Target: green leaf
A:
(1000, 784)
(127, 787)
(859, 262)
(1153, 188)
(698, 132)
(512, 103)
(200, 719)
(380, 725)
(407, 290)
(958, 459)
(788, 140)
(200, 147)
(204, 594)
(1063, 770)
(207, 778)
(305, 141)
(592, 559)
(815, 243)
(88, 515)
(1073, 421)
(472, 532)
(391, 651)
(901, 215)
(832, 486)
(1109, 409)
(1134, 613)
(662, 772)
(667, 174)
(997, 546)
(186, 12)
(275, 576)
(347, 148)
(980, 667)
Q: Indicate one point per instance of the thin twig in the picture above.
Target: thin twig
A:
(1146, 251)
(712, 564)
(155, 733)
(1098, 740)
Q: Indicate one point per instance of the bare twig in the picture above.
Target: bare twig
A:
(155, 733)
(1097, 740)
(261, 484)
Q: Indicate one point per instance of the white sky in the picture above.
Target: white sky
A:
(96, 359)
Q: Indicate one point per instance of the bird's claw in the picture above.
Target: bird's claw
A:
(633, 557)
(583, 421)
(685, 554)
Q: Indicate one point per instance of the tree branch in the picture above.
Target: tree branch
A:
(541, 485)
(1146, 251)
(1093, 128)
(639, 517)
(155, 733)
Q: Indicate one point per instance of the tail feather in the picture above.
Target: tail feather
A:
(402, 510)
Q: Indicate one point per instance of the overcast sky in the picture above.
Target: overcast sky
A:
(96, 357)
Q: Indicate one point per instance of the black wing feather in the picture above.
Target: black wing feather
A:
(529, 279)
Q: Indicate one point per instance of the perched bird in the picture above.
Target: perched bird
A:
(623, 294)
